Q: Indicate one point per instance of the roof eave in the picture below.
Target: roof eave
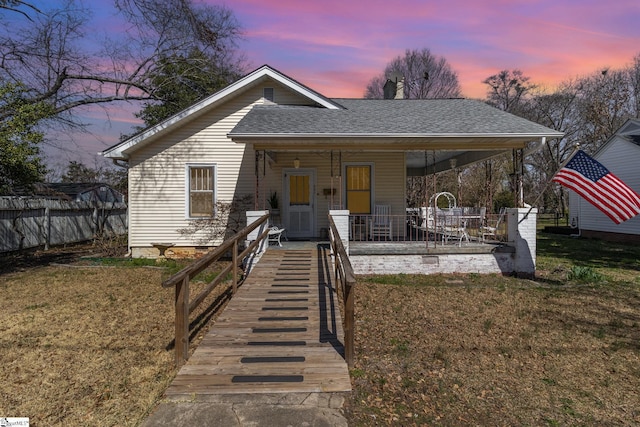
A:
(391, 142)
(254, 136)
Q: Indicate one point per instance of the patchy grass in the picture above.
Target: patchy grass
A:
(492, 350)
(90, 343)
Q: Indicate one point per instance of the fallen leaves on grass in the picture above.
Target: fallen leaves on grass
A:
(86, 346)
(494, 351)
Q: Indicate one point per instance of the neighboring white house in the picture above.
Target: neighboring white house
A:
(621, 155)
(269, 133)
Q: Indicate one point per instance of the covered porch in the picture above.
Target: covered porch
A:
(355, 159)
(358, 155)
(300, 187)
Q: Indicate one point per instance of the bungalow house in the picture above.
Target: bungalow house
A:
(268, 136)
(621, 155)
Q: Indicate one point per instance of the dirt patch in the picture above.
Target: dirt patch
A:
(88, 345)
(472, 350)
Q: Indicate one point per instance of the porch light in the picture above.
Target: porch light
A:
(296, 163)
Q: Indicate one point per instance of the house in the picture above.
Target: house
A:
(269, 133)
(85, 191)
(73, 191)
(621, 155)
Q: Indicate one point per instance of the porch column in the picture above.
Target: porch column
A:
(253, 216)
(521, 223)
(341, 219)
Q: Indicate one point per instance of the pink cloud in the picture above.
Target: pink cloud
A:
(337, 46)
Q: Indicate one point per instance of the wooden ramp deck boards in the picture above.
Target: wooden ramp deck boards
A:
(281, 333)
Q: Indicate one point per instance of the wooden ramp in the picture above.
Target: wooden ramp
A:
(281, 332)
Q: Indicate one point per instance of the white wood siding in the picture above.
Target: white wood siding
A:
(389, 180)
(622, 158)
(157, 174)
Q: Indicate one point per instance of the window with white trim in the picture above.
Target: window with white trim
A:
(201, 190)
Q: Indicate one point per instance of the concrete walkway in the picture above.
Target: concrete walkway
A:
(253, 410)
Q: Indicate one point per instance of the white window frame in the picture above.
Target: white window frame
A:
(188, 167)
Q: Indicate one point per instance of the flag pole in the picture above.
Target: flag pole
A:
(576, 148)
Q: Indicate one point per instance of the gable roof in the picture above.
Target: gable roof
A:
(435, 124)
(118, 151)
(629, 131)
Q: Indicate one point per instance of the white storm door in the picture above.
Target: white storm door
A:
(299, 202)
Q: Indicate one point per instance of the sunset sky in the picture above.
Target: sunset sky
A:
(336, 47)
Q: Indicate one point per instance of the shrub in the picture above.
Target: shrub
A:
(584, 275)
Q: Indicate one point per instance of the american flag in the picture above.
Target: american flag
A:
(587, 177)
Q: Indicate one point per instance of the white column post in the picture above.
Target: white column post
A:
(341, 219)
(253, 216)
(521, 224)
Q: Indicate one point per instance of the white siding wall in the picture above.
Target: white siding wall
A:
(389, 179)
(622, 158)
(157, 175)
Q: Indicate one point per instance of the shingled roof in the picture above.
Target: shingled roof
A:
(367, 117)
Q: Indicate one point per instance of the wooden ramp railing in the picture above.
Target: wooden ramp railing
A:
(181, 279)
(345, 280)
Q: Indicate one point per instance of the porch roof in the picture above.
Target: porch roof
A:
(464, 129)
(409, 123)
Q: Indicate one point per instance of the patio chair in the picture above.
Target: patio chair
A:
(491, 231)
(381, 223)
(454, 226)
(274, 236)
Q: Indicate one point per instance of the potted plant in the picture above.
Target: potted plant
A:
(273, 203)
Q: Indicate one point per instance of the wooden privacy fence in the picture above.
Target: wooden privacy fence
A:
(345, 281)
(183, 303)
(28, 223)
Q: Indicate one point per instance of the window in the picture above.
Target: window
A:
(358, 189)
(267, 93)
(299, 190)
(202, 193)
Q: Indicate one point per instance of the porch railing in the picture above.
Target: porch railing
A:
(444, 227)
(180, 280)
(345, 280)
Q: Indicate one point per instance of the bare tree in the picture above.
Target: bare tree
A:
(48, 61)
(634, 81)
(49, 54)
(606, 102)
(425, 76)
(588, 110)
(17, 6)
(508, 90)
